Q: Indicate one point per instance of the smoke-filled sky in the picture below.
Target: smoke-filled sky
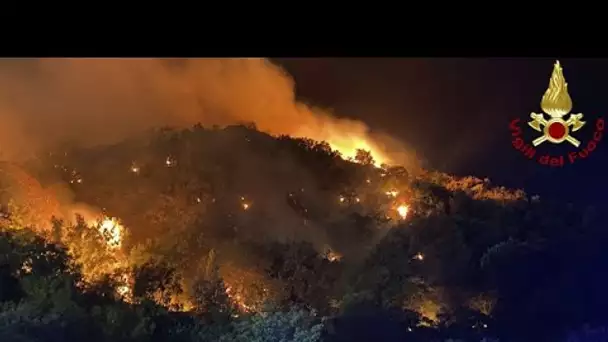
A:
(456, 112)
(45, 102)
(453, 112)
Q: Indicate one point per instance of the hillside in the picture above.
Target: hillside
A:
(223, 224)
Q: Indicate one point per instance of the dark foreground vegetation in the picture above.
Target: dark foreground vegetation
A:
(237, 236)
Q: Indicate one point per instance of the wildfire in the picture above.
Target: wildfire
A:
(348, 146)
(112, 230)
(392, 193)
(124, 289)
(402, 210)
(238, 300)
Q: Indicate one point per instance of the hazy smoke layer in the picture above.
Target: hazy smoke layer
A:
(92, 101)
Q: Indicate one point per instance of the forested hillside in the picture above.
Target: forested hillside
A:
(230, 234)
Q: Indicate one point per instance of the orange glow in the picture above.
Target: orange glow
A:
(238, 299)
(392, 193)
(112, 230)
(348, 146)
(134, 168)
(402, 210)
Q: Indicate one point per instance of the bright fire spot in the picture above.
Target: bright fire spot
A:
(112, 230)
(245, 205)
(342, 199)
(27, 266)
(134, 168)
(347, 146)
(419, 256)
(392, 193)
(402, 210)
(357, 199)
(123, 290)
(368, 181)
(169, 161)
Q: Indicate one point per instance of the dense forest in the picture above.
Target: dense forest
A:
(234, 235)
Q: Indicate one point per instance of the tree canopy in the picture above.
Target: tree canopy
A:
(234, 235)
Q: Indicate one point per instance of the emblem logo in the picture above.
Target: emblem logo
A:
(558, 126)
(556, 103)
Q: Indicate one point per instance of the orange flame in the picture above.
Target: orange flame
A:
(402, 210)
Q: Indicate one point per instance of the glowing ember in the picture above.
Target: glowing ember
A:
(357, 199)
(27, 266)
(419, 256)
(402, 210)
(342, 199)
(124, 289)
(245, 204)
(169, 162)
(134, 168)
(333, 256)
(238, 299)
(392, 193)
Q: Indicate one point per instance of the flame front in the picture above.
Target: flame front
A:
(556, 101)
(112, 230)
(348, 148)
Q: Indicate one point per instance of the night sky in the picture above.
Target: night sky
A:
(456, 113)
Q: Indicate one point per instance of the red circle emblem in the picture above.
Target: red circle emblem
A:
(557, 130)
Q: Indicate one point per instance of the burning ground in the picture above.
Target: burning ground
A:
(258, 210)
(149, 233)
(281, 223)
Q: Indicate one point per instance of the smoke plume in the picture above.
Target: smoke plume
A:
(48, 102)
